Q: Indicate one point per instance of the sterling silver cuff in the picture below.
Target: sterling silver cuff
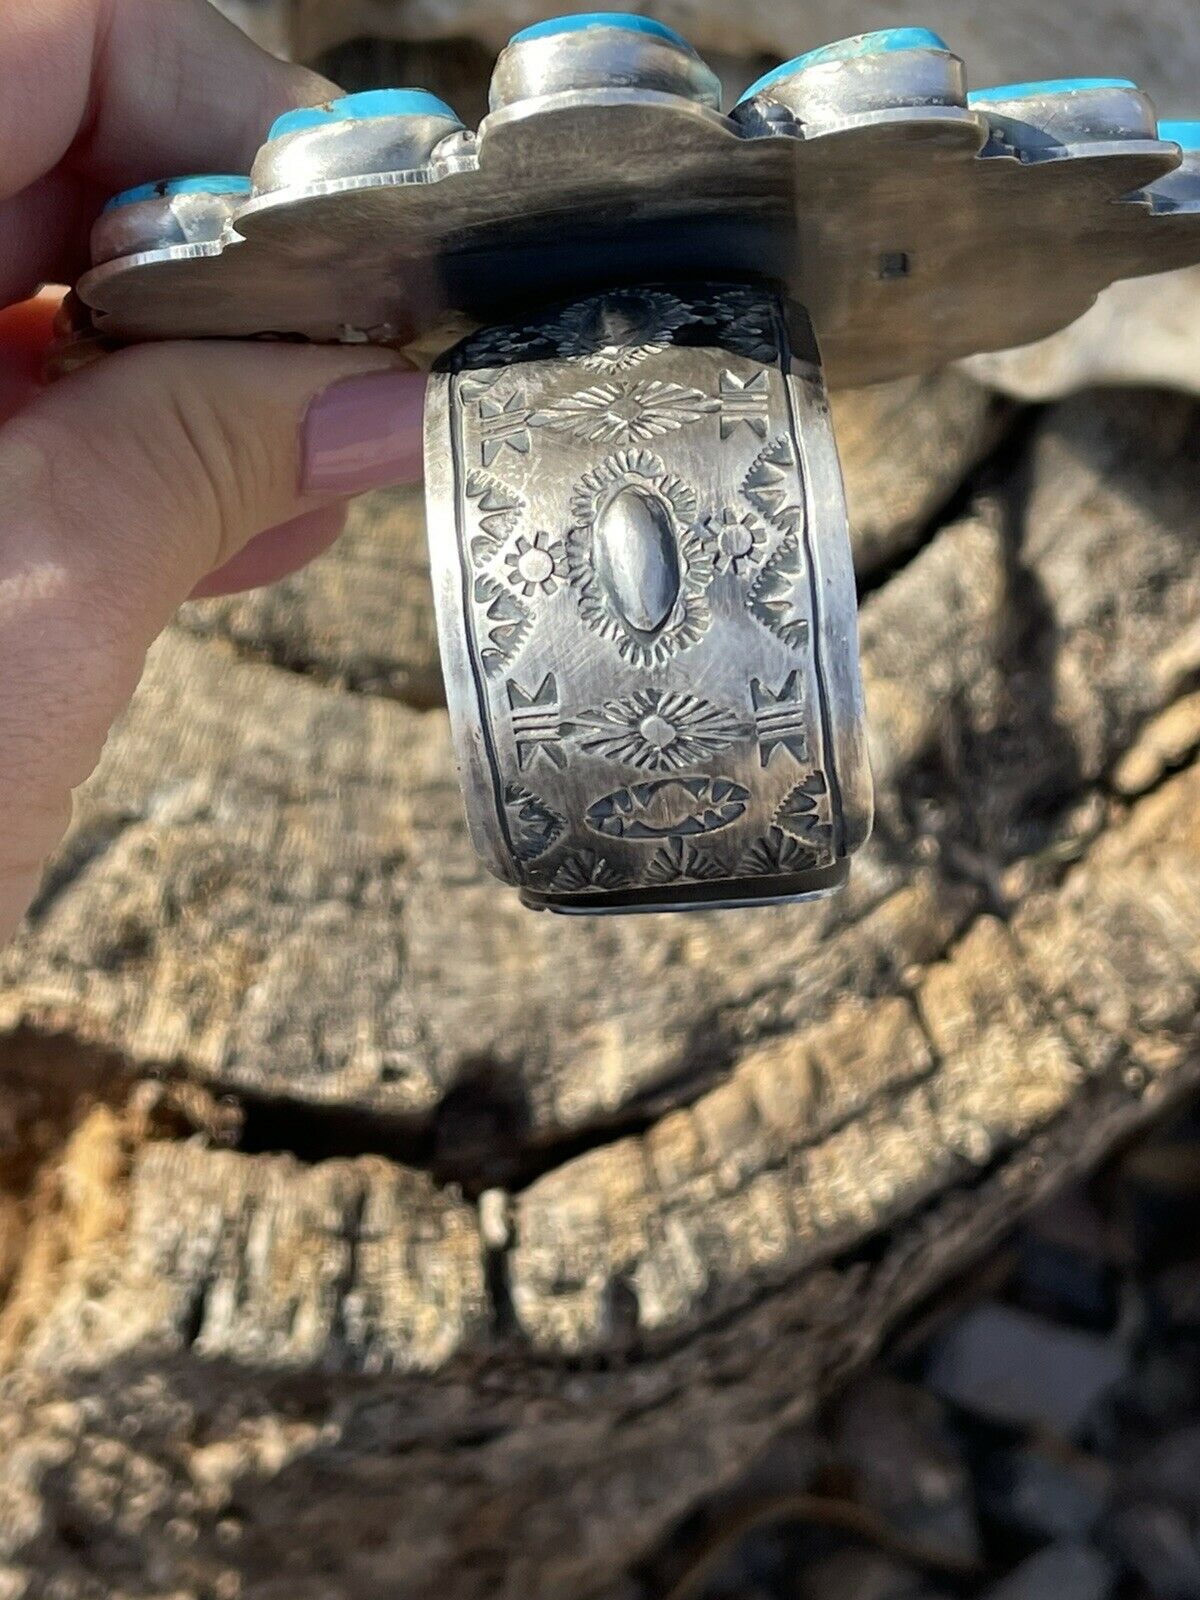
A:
(637, 525)
(646, 604)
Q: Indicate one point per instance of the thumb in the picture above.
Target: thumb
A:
(122, 489)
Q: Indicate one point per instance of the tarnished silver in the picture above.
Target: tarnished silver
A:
(914, 229)
(645, 602)
(641, 568)
(163, 223)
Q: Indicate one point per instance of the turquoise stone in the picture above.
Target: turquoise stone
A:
(1028, 91)
(362, 108)
(204, 183)
(884, 42)
(601, 19)
(1184, 134)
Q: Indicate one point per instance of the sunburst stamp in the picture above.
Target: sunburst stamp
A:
(659, 730)
(777, 853)
(683, 861)
(613, 332)
(585, 870)
(624, 413)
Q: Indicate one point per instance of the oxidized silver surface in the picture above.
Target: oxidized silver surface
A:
(914, 232)
(645, 602)
(642, 573)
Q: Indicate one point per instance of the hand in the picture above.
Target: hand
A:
(161, 471)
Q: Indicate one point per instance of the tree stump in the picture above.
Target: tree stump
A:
(363, 1233)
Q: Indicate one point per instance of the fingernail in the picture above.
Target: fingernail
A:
(364, 433)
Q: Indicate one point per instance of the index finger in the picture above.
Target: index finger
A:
(100, 95)
(125, 91)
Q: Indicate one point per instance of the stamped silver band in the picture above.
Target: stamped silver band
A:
(645, 602)
(638, 528)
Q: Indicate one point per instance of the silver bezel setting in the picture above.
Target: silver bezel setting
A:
(916, 228)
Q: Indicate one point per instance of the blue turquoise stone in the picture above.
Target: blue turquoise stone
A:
(362, 108)
(1184, 134)
(884, 42)
(601, 19)
(1028, 91)
(204, 183)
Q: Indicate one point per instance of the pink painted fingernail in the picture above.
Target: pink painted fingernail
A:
(364, 433)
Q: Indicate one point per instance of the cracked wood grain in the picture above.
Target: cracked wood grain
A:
(810, 1146)
(716, 1186)
(992, 1075)
(304, 920)
(270, 885)
(349, 1265)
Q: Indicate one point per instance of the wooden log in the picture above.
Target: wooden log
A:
(418, 1243)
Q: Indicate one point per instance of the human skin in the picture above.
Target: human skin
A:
(159, 472)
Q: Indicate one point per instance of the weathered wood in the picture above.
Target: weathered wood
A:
(137, 1465)
(905, 448)
(297, 913)
(564, 1221)
(1141, 330)
(274, 890)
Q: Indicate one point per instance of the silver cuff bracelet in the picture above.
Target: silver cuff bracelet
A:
(637, 526)
(646, 604)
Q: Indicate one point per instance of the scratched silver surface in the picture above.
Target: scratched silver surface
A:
(646, 605)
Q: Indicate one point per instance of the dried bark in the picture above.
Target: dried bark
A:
(465, 1246)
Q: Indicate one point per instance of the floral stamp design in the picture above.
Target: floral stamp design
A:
(737, 539)
(537, 565)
